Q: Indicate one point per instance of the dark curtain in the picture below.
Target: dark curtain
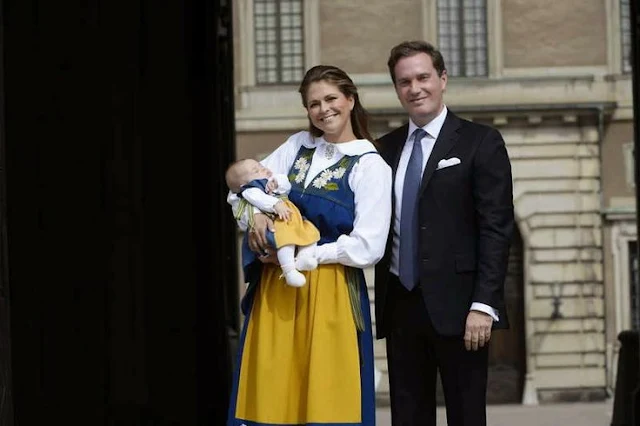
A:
(119, 253)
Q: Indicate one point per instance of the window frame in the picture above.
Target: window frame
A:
(458, 29)
(625, 36)
(277, 57)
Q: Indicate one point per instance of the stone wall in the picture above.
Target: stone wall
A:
(554, 33)
(556, 172)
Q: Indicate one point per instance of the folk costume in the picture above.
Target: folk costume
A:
(306, 354)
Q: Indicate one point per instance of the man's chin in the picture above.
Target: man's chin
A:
(421, 116)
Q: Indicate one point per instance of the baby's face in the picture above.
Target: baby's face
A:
(253, 170)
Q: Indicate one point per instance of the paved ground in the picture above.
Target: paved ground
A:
(573, 414)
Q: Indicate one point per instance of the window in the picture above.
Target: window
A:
(625, 35)
(462, 35)
(279, 41)
(629, 164)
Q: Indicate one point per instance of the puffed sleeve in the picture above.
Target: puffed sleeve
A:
(370, 181)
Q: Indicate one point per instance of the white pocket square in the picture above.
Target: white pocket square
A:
(448, 162)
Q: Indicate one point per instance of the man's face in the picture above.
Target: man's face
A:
(419, 87)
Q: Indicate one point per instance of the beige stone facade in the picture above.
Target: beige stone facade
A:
(555, 91)
(563, 35)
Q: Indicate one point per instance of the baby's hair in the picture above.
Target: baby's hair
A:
(237, 163)
(231, 175)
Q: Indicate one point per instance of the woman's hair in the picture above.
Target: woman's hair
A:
(339, 78)
(410, 48)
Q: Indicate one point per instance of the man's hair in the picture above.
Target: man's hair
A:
(411, 48)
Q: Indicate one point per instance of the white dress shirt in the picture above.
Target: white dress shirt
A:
(433, 129)
(370, 181)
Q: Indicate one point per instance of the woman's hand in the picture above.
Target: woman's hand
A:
(269, 256)
(258, 233)
(258, 239)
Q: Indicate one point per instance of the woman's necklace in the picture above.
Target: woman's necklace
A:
(329, 151)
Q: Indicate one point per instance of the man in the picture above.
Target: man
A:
(440, 286)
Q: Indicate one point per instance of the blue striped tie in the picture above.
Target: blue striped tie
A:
(409, 214)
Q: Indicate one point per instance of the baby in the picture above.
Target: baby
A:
(258, 186)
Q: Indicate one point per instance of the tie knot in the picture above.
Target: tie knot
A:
(418, 134)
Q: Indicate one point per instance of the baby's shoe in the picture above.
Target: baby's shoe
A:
(294, 278)
(306, 263)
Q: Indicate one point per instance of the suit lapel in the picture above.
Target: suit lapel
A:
(394, 158)
(399, 145)
(447, 138)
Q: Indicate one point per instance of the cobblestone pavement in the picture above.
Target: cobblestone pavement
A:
(566, 414)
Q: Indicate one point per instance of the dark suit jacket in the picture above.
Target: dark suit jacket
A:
(465, 215)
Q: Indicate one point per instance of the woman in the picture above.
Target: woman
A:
(306, 354)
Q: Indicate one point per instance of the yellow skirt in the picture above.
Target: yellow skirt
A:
(300, 361)
(297, 231)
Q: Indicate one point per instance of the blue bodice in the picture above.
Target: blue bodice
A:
(328, 201)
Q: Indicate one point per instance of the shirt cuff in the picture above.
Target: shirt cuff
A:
(284, 185)
(481, 307)
(327, 253)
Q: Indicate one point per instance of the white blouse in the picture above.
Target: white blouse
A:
(370, 181)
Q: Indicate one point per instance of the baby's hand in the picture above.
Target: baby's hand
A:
(272, 185)
(282, 211)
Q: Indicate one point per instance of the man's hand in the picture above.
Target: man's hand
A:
(477, 330)
(283, 212)
(258, 234)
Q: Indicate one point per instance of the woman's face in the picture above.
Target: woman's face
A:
(330, 111)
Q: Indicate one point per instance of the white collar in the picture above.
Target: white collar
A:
(433, 127)
(354, 147)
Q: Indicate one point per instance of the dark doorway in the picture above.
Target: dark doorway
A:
(118, 260)
(507, 351)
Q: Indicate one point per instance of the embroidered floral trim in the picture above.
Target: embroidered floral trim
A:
(324, 180)
(302, 167)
